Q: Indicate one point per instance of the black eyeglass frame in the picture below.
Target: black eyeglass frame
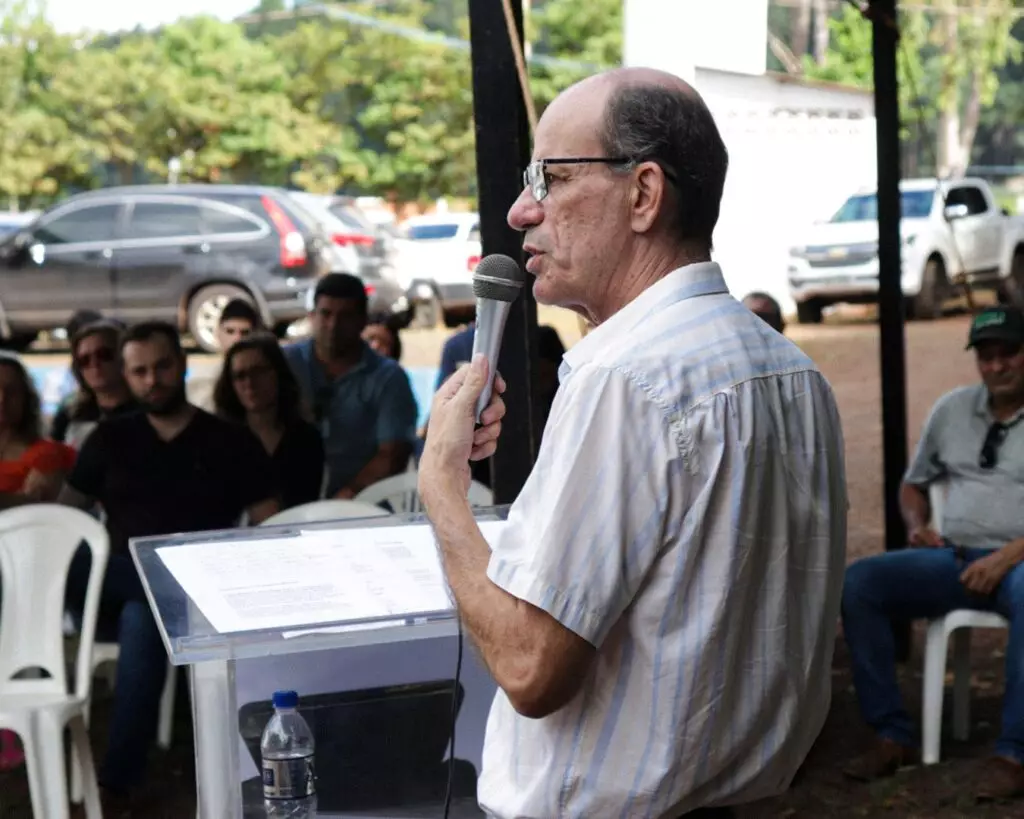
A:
(535, 176)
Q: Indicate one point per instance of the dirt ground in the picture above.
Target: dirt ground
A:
(849, 356)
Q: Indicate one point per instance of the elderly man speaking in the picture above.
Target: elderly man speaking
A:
(660, 611)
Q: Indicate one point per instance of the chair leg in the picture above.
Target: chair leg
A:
(934, 684)
(50, 753)
(962, 683)
(166, 724)
(35, 768)
(84, 770)
(76, 763)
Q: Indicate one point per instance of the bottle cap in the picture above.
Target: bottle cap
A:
(286, 699)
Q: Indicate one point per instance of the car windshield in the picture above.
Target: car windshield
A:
(864, 207)
(440, 230)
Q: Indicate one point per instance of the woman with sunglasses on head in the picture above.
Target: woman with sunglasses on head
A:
(256, 388)
(102, 391)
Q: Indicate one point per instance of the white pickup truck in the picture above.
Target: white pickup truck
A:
(949, 230)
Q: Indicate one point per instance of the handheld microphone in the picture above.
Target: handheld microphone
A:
(496, 284)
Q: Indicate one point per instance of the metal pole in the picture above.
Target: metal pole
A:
(502, 151)
(890, 294)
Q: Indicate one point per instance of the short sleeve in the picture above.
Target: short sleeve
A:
(49, 457)
(456, 350)
(927, 465)
(396, 415)
(91, 465)
(252, 468)
(587, 526)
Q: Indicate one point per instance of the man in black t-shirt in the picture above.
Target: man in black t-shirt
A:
(170, 468)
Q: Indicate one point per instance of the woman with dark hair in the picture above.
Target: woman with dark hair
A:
(32, 470)
(102, 391)
(256, 388)
(382, 334)
(30, 465)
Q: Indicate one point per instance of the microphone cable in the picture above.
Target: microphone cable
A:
(455, 714)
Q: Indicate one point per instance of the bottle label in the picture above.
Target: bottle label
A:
(293, 778)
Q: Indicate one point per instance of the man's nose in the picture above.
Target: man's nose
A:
(525, 212)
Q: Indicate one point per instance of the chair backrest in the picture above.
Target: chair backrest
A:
(399, 491)
(402, 493)
(330, 509)
(37, 544)
(937, 501)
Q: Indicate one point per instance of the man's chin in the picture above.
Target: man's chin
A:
(162, 408)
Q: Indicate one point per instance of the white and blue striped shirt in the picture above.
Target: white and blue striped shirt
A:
(687, 517)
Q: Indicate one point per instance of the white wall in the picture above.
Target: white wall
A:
(779, 92)
(797, 149)
(677, 35)
(785, 172)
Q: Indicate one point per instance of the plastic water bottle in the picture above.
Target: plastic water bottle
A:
(289, 776)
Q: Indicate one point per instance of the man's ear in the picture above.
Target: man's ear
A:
(649, 196)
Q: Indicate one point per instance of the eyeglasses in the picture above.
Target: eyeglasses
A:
(101, 355)
(990, 448)
(535, 177)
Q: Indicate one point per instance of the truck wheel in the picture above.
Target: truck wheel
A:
(809, 312)
(427, 314)
(204, 310)
(928, 304)
(458, 317)
(18, 342)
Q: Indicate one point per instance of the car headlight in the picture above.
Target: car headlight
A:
(798, 252)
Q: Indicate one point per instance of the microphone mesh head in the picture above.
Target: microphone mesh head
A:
(499, 278)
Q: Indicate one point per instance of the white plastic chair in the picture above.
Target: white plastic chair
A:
(957, 623)
(37, 544)
(329, 509)
(401, 492)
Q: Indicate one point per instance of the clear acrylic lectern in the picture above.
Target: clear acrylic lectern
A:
(379, 692)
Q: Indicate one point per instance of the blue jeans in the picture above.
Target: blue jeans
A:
(924, 583)
(141, 667)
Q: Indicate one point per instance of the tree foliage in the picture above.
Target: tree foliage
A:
(953, 56)
(364, 100)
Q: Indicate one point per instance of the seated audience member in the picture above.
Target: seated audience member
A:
(382, 334)
(102, 391)
(69, 386)
(237, 320)
(257, 388)
(31, 467)
(169, 468)
(767, 309)
(973, 442)
(362, 402)
(457, 350)
(79, 319)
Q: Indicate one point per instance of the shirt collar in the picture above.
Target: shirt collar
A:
(368, 360)
(690, 281)
(982, 408)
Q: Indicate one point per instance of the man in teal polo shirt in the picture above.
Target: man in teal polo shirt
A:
(361, 402)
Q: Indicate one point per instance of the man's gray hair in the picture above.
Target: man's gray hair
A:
(652, 123)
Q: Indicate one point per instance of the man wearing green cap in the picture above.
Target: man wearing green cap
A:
(973, 441)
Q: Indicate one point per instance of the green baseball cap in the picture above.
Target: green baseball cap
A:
(997, 324)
